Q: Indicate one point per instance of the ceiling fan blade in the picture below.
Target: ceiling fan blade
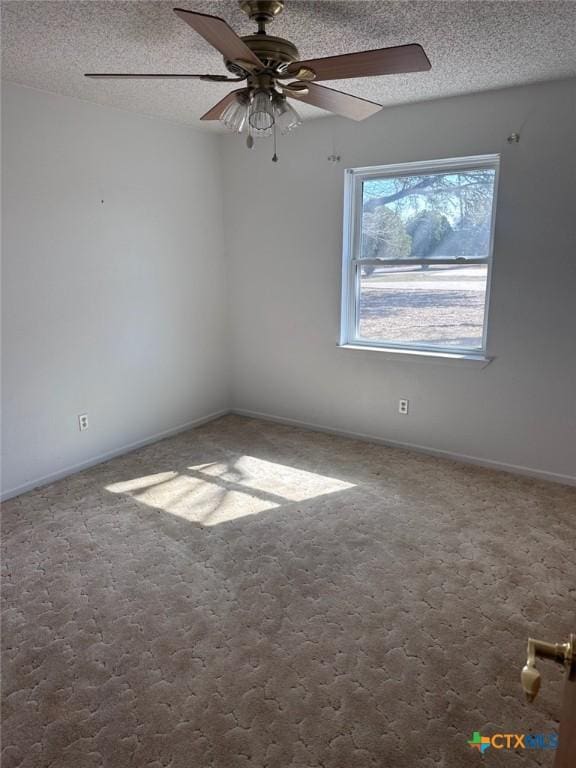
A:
(218, 109)
(143, 76)
(217, 32)
(382, 61)
(335, 101)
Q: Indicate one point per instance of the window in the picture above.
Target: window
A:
(417, 255)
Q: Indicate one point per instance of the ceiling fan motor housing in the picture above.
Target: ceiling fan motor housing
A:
(274, 52)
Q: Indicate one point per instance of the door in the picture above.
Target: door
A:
(566, 753)
(562, 653)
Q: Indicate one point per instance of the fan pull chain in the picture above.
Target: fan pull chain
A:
(274, 156)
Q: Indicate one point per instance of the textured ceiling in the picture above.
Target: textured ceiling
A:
(473, 45)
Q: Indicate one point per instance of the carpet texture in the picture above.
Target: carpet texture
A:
(254, 595)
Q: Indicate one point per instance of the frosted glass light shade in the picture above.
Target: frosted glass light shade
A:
(286, 116)
(235, 116)
(261, 115)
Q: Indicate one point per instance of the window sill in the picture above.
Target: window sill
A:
(476, 360)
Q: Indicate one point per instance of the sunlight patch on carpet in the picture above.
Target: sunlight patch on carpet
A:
(226, 490)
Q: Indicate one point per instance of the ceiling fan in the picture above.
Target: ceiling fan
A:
(271, 68)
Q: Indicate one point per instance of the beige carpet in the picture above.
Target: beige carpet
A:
(248, 594)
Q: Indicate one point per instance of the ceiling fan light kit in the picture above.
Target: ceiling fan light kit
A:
(258, 112)
(265, 61)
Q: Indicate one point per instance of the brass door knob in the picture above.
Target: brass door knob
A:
(562, 653)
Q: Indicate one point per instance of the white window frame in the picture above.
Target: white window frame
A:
(352, 238)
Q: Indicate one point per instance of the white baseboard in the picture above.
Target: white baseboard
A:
(462, 457)
(71, 470)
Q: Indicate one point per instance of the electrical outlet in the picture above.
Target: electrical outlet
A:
(83, 422)
(403, 406)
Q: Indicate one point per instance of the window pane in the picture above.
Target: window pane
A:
(428, 216)
(441, 306)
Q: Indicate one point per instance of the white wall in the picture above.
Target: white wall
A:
(284, 234)
(113, 281)
(119, 309)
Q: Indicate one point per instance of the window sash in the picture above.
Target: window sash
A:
(359, 340)
(428, 167)
(459, 260)
(352, 239)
